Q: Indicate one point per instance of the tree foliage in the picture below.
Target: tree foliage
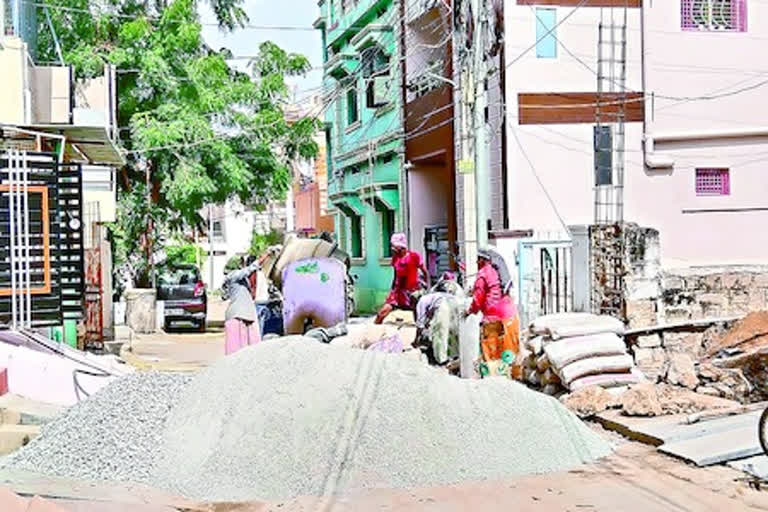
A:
(201, 131)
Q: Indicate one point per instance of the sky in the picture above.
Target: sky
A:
(245, 42)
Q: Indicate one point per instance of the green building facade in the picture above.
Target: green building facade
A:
(364, 136)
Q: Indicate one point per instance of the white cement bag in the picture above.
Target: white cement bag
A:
(594, 366)
(542, 325)
(566, 325)
(569, 350)
(535, 345)
(610, 381)
(469, 345)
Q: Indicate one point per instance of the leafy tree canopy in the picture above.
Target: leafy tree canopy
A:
(203, 132)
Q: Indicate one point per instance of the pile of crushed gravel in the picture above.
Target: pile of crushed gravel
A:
(113, 435)
(296, 417)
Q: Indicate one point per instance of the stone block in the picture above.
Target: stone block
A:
(682, 371)
(652, 362)
(711, 282)
(712, 299)
(677, 314)
(648, 341)
(708, 390)
(589, 401)
(673, 283)
(141, 314)
(641, 313)
(736, 280)
(691, 343)
(710, 372)
(757, 299)
(641, 400)
(760, 280)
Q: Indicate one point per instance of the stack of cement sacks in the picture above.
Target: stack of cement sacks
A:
(570, 351)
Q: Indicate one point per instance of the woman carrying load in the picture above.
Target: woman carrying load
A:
(500, 328)
(405, 283)
(241, 324)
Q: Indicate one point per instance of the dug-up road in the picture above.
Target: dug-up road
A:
(636, 478)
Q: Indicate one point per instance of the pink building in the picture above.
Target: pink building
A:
(688, 79)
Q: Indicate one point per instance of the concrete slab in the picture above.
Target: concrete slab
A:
(89, 496)
(30, 412)
(716, 448)
(755, 466)
(672, 429)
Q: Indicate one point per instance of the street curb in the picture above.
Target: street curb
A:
(138, 362)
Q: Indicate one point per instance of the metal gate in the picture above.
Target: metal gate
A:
(94, 303)
(41, 250)
(546, 283)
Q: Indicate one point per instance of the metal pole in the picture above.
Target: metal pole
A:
(482, 174)
(210, 244)
(19, 240)
(12, 254)
(466, 163)
(53, 34)
(27, 263)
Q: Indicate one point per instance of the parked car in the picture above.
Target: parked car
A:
(184, 294)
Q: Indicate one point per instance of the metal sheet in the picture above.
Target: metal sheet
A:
(717, 448)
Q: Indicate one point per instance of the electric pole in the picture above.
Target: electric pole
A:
(474, 162)
(482, 174)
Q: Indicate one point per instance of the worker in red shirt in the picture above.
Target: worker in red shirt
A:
(500, 331)
(405, 283)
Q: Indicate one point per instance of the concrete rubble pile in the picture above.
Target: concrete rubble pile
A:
(296, 417)
(572, 351)
(734, 364)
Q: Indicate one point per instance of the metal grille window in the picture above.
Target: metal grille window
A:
(353, 114)
(603, 137)
(713, 182)
(714, 15)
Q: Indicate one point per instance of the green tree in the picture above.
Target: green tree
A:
(195, 130)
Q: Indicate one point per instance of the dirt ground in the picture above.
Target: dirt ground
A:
(636, 478)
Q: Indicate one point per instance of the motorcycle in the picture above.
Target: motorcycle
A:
(762, 431)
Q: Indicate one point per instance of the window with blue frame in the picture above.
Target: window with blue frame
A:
(546, 38)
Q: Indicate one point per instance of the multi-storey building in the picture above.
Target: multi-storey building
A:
(364, 135)
(50, 121)
(638, 112)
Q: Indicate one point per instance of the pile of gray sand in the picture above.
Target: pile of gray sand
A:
(295, 417)
(113, 435)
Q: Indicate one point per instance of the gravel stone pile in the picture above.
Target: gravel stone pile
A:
(295, 417)
(113, 435)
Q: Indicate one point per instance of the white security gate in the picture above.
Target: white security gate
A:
(546, 278)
